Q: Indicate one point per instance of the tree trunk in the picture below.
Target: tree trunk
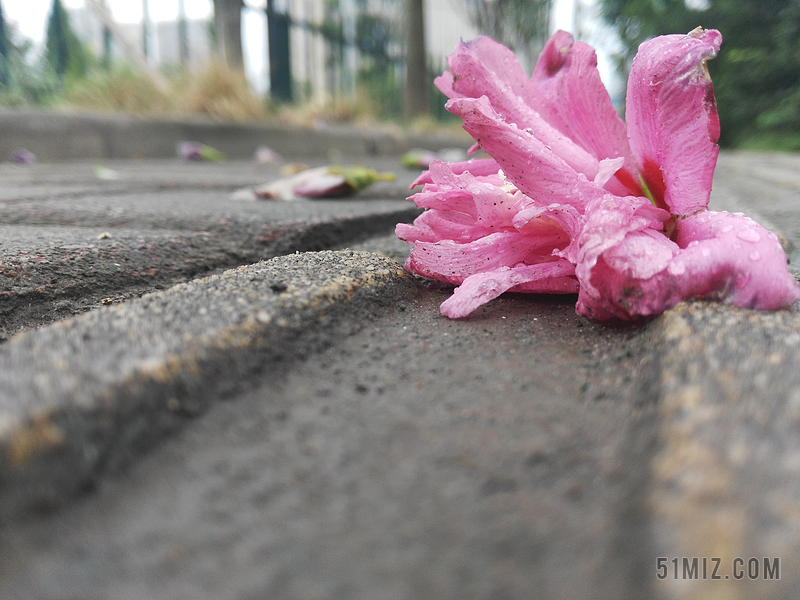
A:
(417, 85)
(228, 25)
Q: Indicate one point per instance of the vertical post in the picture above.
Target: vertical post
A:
(228, 25)
(183, 34)
(146, 26)
(348, 11)
(107, 41)
(280, 66)
(5, 50)
(417, 86)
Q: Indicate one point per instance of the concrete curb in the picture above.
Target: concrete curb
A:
(84, 396)
(725, 476)
(55, 136)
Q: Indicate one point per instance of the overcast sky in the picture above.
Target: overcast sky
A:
(31, 15)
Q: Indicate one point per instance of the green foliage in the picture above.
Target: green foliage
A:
(64, 52)
(757, 73)
(5, 49)
(23, 80)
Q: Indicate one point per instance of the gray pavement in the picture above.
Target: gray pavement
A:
(311, 427)
(161, 223)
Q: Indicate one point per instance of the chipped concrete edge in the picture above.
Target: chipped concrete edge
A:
(90, 393)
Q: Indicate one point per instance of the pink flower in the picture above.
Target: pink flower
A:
(572, 200)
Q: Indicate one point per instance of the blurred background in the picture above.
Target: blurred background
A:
(372, 62)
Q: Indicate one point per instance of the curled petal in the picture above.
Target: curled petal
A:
(616, 293)
(557, 219)
(548, 278)
(673, 125)
(418, 232)
(610, 220)
(731, 257)
(718, 256)
(485, 198)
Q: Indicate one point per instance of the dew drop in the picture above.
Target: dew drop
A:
(705, 252)
(727, 228)
(755, 256)
(749, 235)
(677, 268)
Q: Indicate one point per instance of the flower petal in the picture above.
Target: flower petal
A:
(436, 225)
(482, 67)
(450, 261)
(530, 164)
(673, 125)
(476, 166)
(718, 256)
(621, 250)
(549, 278)
(730, 256)
(566, 74)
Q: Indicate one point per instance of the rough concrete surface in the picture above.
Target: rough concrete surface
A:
(391, 453)
(419, 458)
(727, 475)
(69, 241)
(82, 396)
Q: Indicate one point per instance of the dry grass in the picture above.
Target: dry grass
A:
(214, 90)
(122, 90)
(218, 91)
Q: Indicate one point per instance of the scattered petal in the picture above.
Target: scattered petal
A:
(23, 157)
(264, 155)
(197, 151)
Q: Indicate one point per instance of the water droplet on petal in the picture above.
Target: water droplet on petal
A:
(755, 256)
(749, 235)
(727, 228)
(705, 252)
(677, 268)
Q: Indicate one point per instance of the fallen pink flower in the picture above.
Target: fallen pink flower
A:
(573, 200)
